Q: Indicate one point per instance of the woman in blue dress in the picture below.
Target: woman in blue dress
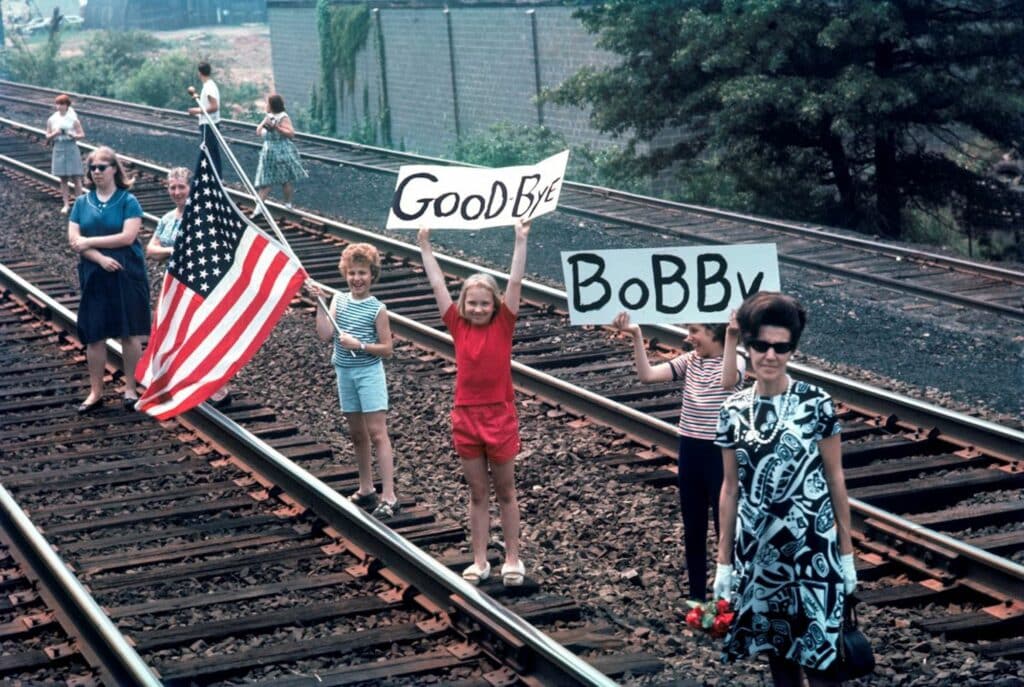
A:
(103, 229)
(785, 557)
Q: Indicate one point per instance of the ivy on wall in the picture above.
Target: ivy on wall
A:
(343, 30)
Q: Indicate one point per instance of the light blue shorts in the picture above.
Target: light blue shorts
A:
(362, 389)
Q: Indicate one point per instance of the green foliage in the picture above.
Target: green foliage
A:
(846, 112)
(343, 30)
(39, 66)
(159, 82)
(504, 145)
(119, 65)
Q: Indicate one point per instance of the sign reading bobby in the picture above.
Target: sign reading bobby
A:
(666, 285)
(443, 197)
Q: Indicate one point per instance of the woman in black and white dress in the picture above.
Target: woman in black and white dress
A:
(785, 557)
(62, 130)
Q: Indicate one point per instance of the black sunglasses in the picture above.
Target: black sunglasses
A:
(781, 347)
(98, 168)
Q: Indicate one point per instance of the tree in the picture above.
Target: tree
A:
(861, 109)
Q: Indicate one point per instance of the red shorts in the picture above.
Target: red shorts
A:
(488, 431)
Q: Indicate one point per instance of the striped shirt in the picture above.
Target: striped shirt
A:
(703, 394)
(358, 318)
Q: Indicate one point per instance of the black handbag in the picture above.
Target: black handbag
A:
(855, 657)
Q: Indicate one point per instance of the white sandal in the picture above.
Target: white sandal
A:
(474, 574)
(513, 574)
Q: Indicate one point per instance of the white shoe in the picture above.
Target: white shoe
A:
(289, 206)
(64, 210)
(255, 213)
(474, 574)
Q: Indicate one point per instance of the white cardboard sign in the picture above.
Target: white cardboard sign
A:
(666, 285)
(442, 197)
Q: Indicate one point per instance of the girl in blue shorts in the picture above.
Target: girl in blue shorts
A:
(359, 350)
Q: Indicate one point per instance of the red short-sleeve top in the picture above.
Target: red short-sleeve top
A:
(483, 357)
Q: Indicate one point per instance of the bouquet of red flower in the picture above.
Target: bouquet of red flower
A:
(713, 617)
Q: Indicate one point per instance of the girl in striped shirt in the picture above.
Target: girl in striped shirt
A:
(709, 374)
(364, 341)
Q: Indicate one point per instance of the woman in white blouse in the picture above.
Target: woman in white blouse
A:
(62, 130)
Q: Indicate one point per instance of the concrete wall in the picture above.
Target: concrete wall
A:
(491, 50)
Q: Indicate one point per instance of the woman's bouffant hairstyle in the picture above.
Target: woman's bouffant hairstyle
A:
(484, 281)
(771, 309)
(106, 155)
(276, 103)
(63, 99)
(179, 174)
(363, 253)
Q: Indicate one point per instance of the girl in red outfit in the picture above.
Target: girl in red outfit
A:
(485, 429)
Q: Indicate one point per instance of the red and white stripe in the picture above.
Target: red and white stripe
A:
(198, 343)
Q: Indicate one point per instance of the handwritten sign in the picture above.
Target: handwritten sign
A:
(666, 285)
(443, 197)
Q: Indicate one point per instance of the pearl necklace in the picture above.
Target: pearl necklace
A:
(753, 435)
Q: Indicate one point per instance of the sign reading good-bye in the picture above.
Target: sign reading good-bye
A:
(666, 285)
(442, 197)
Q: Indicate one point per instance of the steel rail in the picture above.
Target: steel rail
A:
(549, 662)
(986, 436)
(105, 648)
(815, 231)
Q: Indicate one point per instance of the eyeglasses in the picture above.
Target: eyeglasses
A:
(98, 168)
(780, 347)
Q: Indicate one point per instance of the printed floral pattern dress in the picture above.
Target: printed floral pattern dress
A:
(788, 583)
(279, 160)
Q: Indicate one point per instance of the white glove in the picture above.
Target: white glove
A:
(723, 582)
(849, 573)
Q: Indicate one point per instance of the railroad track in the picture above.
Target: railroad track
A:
(220, 558)
(939, 470)
(838, 255)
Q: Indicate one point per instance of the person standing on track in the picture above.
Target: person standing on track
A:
(209, 102)
(359, 350)
(62, 130)
(103, 229)
(709, 374)
(785, 556)
(485, 427)
(279, 160)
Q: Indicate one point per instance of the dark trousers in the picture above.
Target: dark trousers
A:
(208, 137)
(700, 481)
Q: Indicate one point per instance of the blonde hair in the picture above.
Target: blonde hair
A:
(484, 281)
(179, 174)
(121, 177)
(365, 253)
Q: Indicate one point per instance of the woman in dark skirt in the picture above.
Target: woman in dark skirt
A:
(103, 229)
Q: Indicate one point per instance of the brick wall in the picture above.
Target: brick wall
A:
(494, 65)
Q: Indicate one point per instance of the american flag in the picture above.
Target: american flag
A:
(227, 284)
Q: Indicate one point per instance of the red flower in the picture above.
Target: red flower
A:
(720, 626)
(713, 617)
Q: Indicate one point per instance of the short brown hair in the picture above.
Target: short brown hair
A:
(771, 309)
(275, 103)
(204, 68)
(63, 99)
(107, 155)
(364, 253)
